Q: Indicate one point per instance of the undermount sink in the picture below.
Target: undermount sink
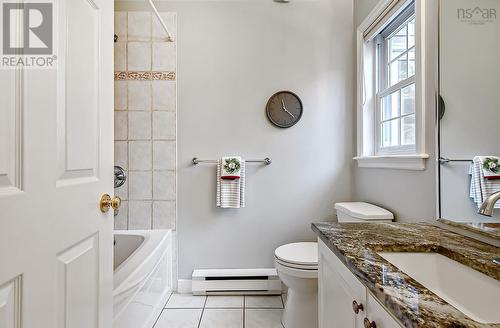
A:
(469, 291)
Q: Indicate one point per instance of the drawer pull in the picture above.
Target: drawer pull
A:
(357, 307)
(369, 324)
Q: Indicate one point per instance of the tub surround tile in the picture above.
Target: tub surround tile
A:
(217, 318)
(138, 56)
(140, 185)
(164, 125)
(120, 56)
(121, 25)
(139, 125)
(179, 318)
(139, 95)
(357, 244)
(164, 95)
(263, 318)
(120, 125)
(144, 76)
(163, 57)
(121, 154)
(186, 301)
(139, 155)
(164, 185)
(120, 95)
(164, 215)
(139, 26)
(271, 302)
(145, 119)
(170, 20)
(120, 220)
(163, 152)
(139, 215)
(224, 302)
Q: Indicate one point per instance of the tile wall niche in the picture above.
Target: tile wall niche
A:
(145, 120)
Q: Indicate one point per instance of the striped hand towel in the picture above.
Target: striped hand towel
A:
(230, 193)
(480, 187)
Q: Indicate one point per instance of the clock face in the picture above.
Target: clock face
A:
(284, 109)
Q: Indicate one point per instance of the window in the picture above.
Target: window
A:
(395, 128)
(391, 85)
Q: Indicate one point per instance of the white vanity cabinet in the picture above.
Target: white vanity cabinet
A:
(344, 302)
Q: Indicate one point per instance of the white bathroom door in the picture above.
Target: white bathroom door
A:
(56, 160)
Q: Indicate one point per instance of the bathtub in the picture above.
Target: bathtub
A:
(142, 276)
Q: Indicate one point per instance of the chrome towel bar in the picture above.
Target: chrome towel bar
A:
(443, 160)
(265, 161)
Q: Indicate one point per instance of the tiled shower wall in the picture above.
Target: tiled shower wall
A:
(145, 120)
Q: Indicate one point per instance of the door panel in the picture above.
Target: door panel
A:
(78, 92)
(10, 133)
(78, 285)
(10, 304)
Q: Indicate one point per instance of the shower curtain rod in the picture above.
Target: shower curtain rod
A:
(162, 23)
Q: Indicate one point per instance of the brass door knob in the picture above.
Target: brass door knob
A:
(357, 307)
(107, 202)
(369, 324)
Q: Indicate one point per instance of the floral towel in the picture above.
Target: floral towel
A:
(491, 167)
(231, 168)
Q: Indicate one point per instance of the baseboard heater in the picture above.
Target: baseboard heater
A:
(236, 282)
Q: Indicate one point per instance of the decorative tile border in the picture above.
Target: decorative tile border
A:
(144, 76)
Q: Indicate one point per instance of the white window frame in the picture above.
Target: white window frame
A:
(383, 90)
(368, 133)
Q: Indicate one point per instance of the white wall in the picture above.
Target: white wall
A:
(233, 55)
(409, 194)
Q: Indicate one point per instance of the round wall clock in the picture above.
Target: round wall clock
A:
(284, 109)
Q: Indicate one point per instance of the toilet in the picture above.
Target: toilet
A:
(297, 265)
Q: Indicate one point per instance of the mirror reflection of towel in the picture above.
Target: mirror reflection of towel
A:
(491, 167)
(480, 187)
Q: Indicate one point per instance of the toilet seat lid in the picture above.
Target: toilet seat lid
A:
(305, 253)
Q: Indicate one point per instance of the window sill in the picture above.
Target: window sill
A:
(396, 162)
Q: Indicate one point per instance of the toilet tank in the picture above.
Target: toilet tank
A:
(362, 212)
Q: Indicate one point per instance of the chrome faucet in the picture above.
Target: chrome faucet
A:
(489, 204)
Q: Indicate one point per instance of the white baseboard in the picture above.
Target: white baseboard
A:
(184, 286)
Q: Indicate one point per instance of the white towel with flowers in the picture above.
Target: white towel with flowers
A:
(491, 167)
(231, 167)
(230, 192)
(480, 186)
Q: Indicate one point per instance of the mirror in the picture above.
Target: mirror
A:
(469, 88)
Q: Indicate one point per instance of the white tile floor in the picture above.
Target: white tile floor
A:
(188, 311)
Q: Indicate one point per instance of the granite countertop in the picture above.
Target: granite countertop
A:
(357, 244)
(488, 229)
